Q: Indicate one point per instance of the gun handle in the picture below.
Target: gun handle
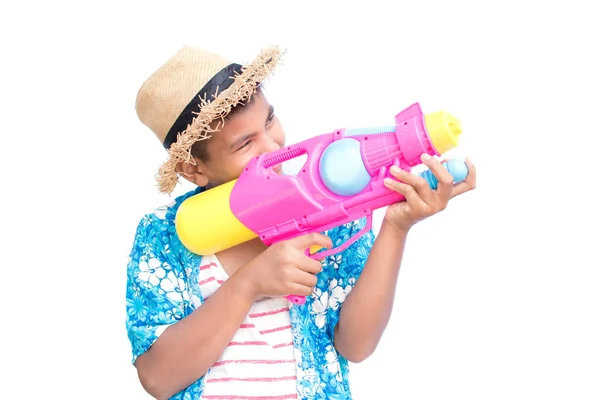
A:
(300, 299)
(312, 252)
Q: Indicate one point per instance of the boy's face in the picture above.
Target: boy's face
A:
(248, 133)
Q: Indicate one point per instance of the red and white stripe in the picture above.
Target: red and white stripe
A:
(258, 363)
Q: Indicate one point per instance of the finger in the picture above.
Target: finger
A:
(417, 183)
(303, 242)
(408, 191)
(300, 290)
(469, 183)
(315, 253)
(304, 279)
(309, 265)
(443, 176)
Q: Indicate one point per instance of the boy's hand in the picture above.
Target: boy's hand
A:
(284, 268)
(421, 201)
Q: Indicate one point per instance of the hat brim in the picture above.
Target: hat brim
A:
(243, 87)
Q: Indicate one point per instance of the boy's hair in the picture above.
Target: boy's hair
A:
(181, 101)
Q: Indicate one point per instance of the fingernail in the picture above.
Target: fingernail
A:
(387, 181)
(395, 169)
(425, 156)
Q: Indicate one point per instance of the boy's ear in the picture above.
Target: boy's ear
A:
(193, 173)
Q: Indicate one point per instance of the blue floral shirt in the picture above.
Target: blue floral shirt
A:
(162, 288)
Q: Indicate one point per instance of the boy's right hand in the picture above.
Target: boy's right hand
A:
(284, 268)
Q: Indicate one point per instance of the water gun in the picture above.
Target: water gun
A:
(341, 181)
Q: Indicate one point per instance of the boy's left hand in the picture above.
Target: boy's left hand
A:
(422, 201)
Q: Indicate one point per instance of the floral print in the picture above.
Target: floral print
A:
(162, 288)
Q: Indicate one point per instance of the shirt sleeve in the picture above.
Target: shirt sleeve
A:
(156, 291)
(345, 267)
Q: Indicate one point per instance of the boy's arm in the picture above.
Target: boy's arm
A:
(186, 350)
(367, 309)
(172, 351)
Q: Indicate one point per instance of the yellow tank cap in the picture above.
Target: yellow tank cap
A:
(444, 130)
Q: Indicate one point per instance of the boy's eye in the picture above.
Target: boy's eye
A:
(246, 144)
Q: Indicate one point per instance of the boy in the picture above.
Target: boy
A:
(219, 327)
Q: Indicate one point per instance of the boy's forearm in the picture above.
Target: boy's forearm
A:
(188, 348)
(366, 311)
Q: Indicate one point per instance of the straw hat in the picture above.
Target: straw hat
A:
(192, 89)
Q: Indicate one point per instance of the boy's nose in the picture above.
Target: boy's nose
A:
(271, 145)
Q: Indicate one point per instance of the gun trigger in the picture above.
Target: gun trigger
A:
(314, 248)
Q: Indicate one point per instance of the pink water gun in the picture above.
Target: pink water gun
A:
(341, 181)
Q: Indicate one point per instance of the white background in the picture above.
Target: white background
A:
(498, 296)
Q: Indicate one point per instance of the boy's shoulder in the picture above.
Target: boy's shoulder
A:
(158, 224)
(165, 213)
